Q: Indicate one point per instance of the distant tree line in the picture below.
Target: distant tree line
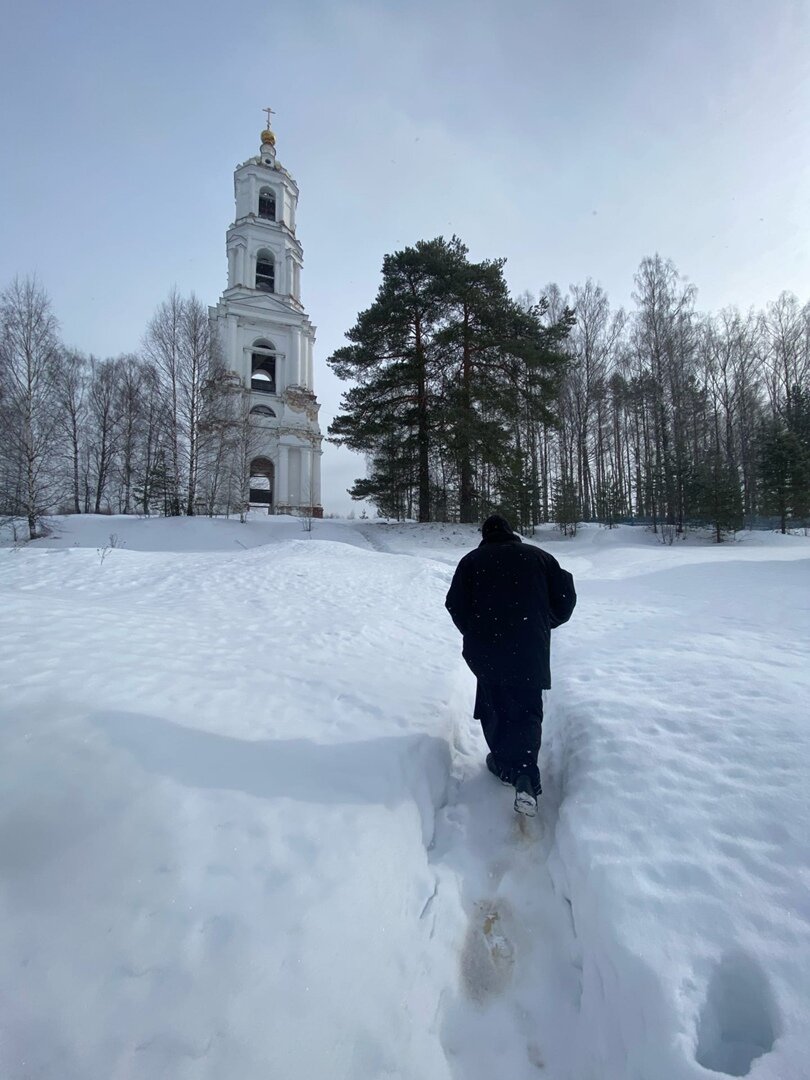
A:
(163, 431)
(466, 401)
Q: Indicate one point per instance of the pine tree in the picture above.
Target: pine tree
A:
(454, 379)
(392, 359)
(516, 494)
(798, 420)
(716, 496)
(613, 507)
(780, 464)
(566, 505)
(159, 487)
(497, 357)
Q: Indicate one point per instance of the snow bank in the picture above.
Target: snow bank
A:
(220, 775)
(681, 746)
(182, 534)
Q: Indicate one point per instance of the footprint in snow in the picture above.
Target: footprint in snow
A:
(739, 1021)
(488, 955)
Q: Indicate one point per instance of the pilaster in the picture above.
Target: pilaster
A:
(295, 359)
(317, 454)
(283, 480)
(306, 495)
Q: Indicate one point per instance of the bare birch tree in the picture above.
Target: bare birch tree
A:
(180, 344)
(231, 435)
(195, 372)
(105, 426)
(29, 355)
(129, 408)
(162, 345)
(154, 424)
(71, 407)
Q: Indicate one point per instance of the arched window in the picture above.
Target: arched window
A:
(263, 368)
(265, 271)
(262, 410)
(267, 204)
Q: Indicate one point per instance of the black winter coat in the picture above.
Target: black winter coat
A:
(506, 597)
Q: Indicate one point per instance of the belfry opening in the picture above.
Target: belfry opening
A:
(262, 474)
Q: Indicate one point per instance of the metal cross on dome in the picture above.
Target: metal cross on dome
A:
(269, 112)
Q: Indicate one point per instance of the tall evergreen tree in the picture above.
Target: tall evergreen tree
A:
(716, 495)
(391, 357)
(446, 366)
(798, 419)
(566, 505)
(469, 344)
(780, 471)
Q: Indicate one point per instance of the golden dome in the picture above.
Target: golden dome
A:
(268, 137)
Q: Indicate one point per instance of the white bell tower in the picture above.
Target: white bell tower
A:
(266, 337)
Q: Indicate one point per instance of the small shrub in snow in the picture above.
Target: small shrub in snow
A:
(667, 533)
(114, 542)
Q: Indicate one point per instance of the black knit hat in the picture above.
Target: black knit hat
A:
(496, 526)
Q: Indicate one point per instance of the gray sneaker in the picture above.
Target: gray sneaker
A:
(525, 798)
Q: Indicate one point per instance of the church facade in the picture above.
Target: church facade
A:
(266, 339)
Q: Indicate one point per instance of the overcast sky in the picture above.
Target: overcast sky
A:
(571, 138)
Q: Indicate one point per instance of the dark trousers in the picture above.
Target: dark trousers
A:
(512, 721)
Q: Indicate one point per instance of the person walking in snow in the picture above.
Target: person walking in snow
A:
(506, 597)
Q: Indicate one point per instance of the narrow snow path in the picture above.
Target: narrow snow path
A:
(496, 911)
(515, 1008)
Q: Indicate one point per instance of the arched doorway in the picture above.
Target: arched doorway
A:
(262, 475)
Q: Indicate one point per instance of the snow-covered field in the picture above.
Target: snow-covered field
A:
(246, 833)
